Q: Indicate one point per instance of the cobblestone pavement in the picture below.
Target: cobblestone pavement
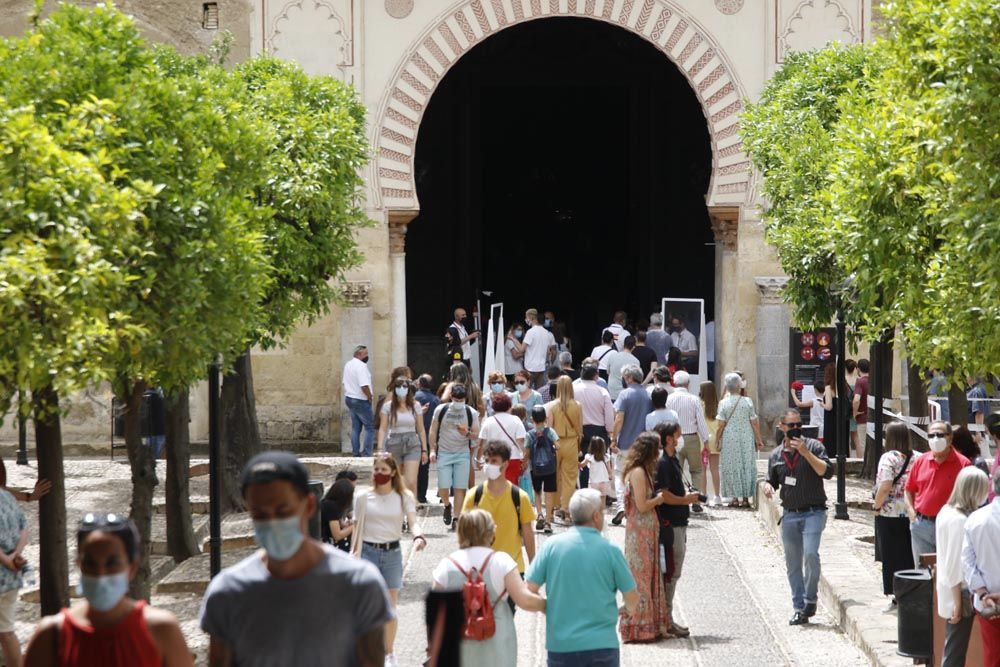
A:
(733, 593)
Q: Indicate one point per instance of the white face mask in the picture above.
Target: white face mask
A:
(521, 386)
(937, 444)
(492, 471)
(680, 442)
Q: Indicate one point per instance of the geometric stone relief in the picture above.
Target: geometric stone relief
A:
(664, 23)
(815, 23)
(357, 293)
(317, 34)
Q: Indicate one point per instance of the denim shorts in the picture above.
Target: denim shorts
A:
(453, 470)
(403, 446)
(389, 563)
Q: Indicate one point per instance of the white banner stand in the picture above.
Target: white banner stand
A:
(687, 308)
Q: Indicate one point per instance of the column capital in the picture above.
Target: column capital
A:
(357, 293)
(771, 289)
(725, 226)
(399, 219)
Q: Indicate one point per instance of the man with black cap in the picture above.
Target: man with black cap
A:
(799, 467)
(297, 601)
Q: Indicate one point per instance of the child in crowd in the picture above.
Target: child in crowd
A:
(524, 482)
(541, 444)
(599, 465)
(337, 524)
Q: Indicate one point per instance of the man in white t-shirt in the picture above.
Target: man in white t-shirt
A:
(540, 346)
(603, 352)
(617, 329)
(358, 397)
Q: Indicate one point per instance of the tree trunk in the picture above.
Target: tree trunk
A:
(958, 402)
(143, 465)
(240, 433)
(53, 566)
(881, 370)
(918, 403)
(181, 542)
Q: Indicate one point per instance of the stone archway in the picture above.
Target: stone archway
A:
(674, 32)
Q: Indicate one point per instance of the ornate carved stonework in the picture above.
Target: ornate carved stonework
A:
(398, 221)
(771, 289)
(729, 6)
(398, 9)
(725, 226)
(357, 294)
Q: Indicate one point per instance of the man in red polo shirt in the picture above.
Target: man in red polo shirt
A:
(928, 486)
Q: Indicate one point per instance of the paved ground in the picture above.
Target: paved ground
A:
(733, 593)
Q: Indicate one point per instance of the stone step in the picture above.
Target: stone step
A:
(199, 505)
(192, 576)
(158, 535)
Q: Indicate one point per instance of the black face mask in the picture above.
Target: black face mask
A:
(364, 359)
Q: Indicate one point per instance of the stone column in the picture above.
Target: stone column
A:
(725, 229)
(773, 322)
(398, 221)
(356, 328)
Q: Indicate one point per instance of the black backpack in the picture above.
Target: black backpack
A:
(543, 454)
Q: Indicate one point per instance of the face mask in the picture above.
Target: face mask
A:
(938, 444)
(104, 592)
(492, 471)
(402, 391)
(680, 442)
(548, 323)
(381, 478)
(281, 538)
(521, 386)
(497, 387)
(518, 333)
(364, 359)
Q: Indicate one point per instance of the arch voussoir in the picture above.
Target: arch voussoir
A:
(675, 33)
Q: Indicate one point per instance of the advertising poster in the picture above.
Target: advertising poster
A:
(810, 352)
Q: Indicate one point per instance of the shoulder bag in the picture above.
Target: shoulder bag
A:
(722, 427)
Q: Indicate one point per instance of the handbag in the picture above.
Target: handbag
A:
(722, 427)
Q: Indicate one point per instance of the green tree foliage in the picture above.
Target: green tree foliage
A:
(916, 190)
(789, 134)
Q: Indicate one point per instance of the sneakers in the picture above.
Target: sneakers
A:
(716, 501)
(617, 521)
(540, 524)
(447, 514)
(390, 661)
(892, 607)
(548, 528)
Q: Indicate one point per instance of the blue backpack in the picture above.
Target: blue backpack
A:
(543, 454)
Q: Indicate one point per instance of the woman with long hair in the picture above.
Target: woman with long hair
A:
(832, 393)
(108, 627)
(737, 431)
(954, 602)
(710, 404)
(565, 417)
(651, 619)
(476, 531)
(401, 430)
(892, 525)
(378, 516)
(336, 526)
(966, 445)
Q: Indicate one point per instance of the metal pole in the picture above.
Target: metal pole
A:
(214, 473)
(22, 431)
(879, 392)
(843, 435)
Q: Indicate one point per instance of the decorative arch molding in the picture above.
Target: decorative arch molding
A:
(468, 22)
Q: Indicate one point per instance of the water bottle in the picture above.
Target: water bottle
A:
(28, 577)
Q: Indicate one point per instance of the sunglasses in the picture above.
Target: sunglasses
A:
(793, 424)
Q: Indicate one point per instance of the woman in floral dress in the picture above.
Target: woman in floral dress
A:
(651, 620)
(892, 525)
(738, 430)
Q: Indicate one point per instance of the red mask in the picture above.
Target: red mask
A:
(381, 478)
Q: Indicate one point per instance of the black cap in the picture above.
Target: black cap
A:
(273, 466)
(458, 390)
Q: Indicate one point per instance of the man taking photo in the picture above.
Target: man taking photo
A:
(798, 467)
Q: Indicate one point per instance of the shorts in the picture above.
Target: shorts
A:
(8, 610)
(403, 446)
(854, 424)
(389, 563)
(453, 470)
(546, 482)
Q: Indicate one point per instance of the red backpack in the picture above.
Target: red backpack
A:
(478, 623)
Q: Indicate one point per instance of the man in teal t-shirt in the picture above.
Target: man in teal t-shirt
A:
(582, 573)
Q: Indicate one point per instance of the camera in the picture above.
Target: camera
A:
(702, 498)
(794, 433)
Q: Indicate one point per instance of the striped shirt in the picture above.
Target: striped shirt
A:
(808, 490)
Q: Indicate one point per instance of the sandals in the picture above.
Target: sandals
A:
(745, 504)
(735, 504)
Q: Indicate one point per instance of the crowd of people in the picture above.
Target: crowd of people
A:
(622, 438)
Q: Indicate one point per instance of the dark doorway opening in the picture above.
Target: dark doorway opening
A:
(561, 164)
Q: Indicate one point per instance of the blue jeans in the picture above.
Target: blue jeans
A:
(800, 534)
(923, 538)
(599, 657)
(361, 415)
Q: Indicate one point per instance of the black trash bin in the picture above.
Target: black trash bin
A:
(915, 624)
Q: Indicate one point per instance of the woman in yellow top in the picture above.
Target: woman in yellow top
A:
(565, 417)
(710, 402)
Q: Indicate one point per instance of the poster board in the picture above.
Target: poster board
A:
(810, 351)
(691, 313)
